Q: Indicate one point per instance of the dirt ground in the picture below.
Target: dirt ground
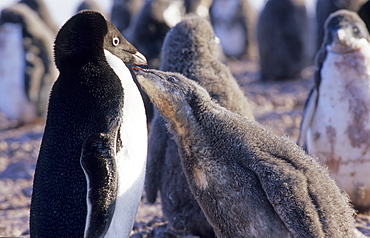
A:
(278, 105)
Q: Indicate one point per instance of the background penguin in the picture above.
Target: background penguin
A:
(282, 33)
(148, 30)
(364, 13)
(189, 48)
(123, 11)
(335, 125)
(96, 122)
(198, 7)
(248, 181)
(89, 5)
(234, 23)
(42, 11)
(35, 73)
(325, 7)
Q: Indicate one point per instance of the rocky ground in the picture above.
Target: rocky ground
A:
(278, 105)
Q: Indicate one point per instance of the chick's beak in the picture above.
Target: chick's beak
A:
(137, 69)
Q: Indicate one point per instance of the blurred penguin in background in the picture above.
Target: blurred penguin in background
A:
(199, 7)
(364, 13)
(43, 12)
(234, 23)
(282, 33)
(26, 64)
(148, 29)
(123, 11)
(325, 7)
(89, 5)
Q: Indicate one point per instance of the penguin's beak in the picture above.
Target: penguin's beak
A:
(139, 59)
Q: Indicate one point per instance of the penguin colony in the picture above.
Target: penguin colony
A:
(90, 171)
(248, 181)
(87, 132)
(335, 125)
(189, 48)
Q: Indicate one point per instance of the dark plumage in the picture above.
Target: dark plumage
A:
(248, 181)
(325, 7)
(40, 71)
(83, 132)
(189, 48)
(282, 34)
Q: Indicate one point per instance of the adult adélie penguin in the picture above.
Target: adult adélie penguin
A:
(336, 122)
(90, 171)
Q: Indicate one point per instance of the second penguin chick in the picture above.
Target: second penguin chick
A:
(248, 181)
(189, 48)
(335, 125)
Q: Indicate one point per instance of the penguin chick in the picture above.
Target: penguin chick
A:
(248, 181)
(335, 125)
(282, 33)
(90, 171)
(191, 49)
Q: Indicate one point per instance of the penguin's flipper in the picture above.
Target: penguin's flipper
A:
(308, 114)
(289, 191)
(99, 164)
(156, 154)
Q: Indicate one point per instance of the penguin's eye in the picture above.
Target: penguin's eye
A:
(115, 41)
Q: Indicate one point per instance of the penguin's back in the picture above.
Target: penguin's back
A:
(81, 103)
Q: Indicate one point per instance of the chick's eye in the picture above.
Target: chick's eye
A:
(355, 30)
(115, 41)
(172, 78)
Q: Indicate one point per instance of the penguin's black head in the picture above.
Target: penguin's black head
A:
(345, 32)
(86, 35)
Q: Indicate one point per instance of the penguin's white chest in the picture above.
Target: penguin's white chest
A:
(340, 131)
(13, 101)
(131, 158)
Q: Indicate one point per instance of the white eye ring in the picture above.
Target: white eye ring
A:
(115, 41)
